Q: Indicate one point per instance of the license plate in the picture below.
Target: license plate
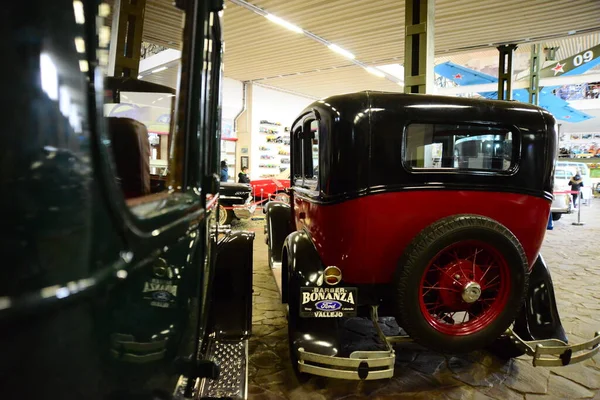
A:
(330, 302)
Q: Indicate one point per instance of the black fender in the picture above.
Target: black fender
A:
(231, 303)
(539, 318)
(278, 225)
(300, 258)
(302, 266)
(303, 259)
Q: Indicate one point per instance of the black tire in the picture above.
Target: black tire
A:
(556, 216)
(225, 216)
(425, 249)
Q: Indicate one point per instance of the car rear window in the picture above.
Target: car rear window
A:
(458, 147)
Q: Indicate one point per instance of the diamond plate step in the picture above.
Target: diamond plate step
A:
(232, 359)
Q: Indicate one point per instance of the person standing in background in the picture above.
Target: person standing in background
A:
(576, 184)
(224, 171)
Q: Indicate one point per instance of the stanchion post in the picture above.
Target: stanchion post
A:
(578, 223)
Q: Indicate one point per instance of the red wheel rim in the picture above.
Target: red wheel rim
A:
(449, 286)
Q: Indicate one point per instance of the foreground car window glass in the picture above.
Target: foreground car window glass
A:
(460, 146)
(139, 117)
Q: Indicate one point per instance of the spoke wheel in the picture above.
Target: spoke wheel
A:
(225, 216)
(464, 288)
(460, 283)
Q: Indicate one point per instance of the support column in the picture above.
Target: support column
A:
(505, 71)
(418, 46)
(126, 38)
(243, 130)
(534, 74)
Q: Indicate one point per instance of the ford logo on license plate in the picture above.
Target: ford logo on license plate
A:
(161, 296)
(328, 305)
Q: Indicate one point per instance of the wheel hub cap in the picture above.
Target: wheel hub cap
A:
(471, 292)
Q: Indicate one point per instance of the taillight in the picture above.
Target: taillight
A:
(333, 275)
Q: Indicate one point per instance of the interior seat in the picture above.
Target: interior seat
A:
(131, 151)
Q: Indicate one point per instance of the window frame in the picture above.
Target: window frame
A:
(515, 156)
(311, 183)
(167, 208)
(297, 145)
(302, 154)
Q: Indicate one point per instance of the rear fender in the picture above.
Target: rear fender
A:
(539, 318)
(231, 308)
(278, 227)
(303, 266)
(303, 260)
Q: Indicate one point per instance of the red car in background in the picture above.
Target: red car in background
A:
(265, 187)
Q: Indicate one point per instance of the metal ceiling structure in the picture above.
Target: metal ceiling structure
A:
(260, 51)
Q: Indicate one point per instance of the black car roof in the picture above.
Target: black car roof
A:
(452, 108)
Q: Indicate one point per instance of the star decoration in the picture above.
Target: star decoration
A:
(558, 68)
(458, 76)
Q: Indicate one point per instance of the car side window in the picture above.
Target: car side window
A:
(297, 154)
(460, 147)
(311, 154)
(140, 122)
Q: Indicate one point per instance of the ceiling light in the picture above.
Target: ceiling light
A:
(104, 36)
(103, 10)
(341, 51)
(78, 10)
(80, 44)
(159, 69)
(283, 23)
(84, 66)
(375, 72)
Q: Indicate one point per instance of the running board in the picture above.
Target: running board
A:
(232, 359)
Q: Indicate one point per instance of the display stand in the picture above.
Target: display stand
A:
(273, 149)
(579, 223)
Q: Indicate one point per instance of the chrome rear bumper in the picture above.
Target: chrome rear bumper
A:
(361, 365)
(561, 203)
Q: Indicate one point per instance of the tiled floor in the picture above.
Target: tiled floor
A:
(573, 253)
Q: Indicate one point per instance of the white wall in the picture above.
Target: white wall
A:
(232, 98)
(274, 106)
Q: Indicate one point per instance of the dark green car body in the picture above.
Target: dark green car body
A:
(98, 299)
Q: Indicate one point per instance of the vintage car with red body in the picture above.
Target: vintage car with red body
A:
(426, 208)
(265, 187)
